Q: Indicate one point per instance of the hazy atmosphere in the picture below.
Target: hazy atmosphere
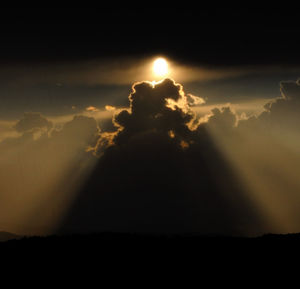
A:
(185, 125)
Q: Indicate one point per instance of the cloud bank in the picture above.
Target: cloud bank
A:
(33, 121)
(161, 172)
(162, 169)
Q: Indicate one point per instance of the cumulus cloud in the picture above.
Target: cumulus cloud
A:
(80, 131)
(158, 107)
(280, 113)
(290, 89)
(157, 174)
(222, 118)
(163, 108)
(32, 121)
(285, 111)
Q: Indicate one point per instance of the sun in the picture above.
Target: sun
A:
(160, 67)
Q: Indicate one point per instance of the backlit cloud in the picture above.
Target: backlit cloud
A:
(92, 108)
(32, 121)
(156, 174)
(109, 108)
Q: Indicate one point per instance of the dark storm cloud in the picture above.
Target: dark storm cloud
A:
(32, 121)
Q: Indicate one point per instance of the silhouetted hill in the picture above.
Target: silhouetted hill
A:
(5, 236)
(149, 242)
(104, 237)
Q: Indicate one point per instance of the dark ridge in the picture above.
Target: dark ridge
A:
(8, 239)
(116, 255)
(6, 236)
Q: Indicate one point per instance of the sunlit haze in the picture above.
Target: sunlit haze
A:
(165, 126)
(160, 67)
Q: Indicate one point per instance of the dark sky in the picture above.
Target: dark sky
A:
(216, 37)
(192, 34)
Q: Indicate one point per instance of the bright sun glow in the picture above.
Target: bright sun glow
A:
(160, 67)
